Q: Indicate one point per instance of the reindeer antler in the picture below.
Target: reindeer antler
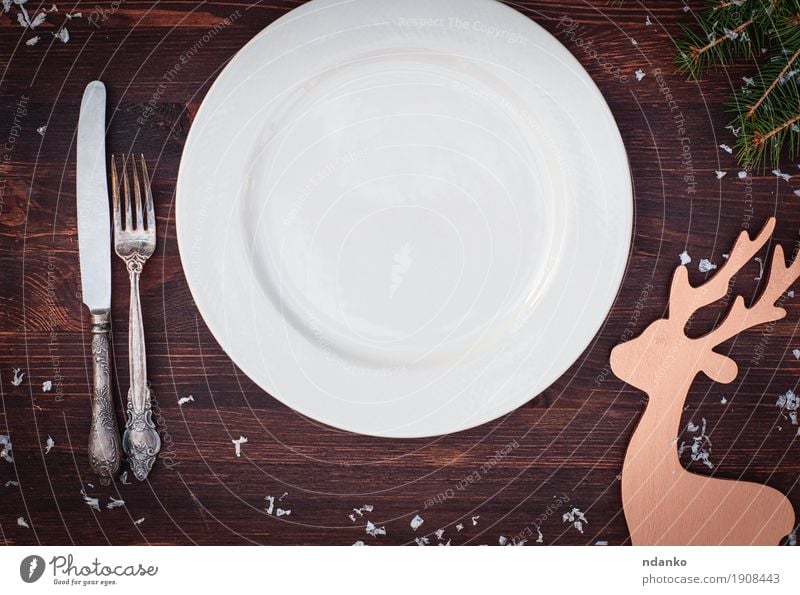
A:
(764, 309)
(685, 300)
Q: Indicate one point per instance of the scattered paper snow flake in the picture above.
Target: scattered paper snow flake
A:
(5, 449)
(576, 517)
(788, 75)
(360, 511)
(700, 448)
(422, 540)
(11, 482)
(439, 534)
(723, 400)
(789, 402)
(359, 542)
(123, 479)
(74, 15)
(475, 520)
(792, 538)
(460, 527)
(539, 536)
(720, 174)
(685, 8)
(6, 5)
(726, 148)
(375, 531)
(18, 376)
(747, 80)
(706, 266)
(790, 294)
(685, 258)
(734, 131)
(91, 502)
(63, 35)
(742, 175)
(138, 521)
(447, 543)
(183, 400)
(23, 523)
(237, 445)
(514, 542)
(639, 74)
(416, 522)
(796, 192)
(38, 19)
(780, 174)
(634, 42)
(647, 21)
(730, 33)
(114, 503)
(47, 386)
(271, 506)
(41, 130)
(601, 543)
(49, 444)
(32, 41)
(796, 353)
(726, 256)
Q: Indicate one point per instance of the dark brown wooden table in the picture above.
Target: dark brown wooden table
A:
(564, 448)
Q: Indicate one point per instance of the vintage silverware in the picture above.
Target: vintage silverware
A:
(94, 242)
(135, 242)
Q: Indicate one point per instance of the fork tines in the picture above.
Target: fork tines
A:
(135, 218)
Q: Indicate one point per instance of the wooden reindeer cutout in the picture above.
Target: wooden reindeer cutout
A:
(664, 503)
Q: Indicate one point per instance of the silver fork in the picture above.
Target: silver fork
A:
(135, 242)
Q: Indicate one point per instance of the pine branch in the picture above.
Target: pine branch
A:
(761, 138)
(768, 106)
(781, 77)
(700, 57)
(772, 132)
(726, 31)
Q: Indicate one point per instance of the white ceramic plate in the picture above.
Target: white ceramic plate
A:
(404, 218)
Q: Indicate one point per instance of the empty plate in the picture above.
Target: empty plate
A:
(406, 218)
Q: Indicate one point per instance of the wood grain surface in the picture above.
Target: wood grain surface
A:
(563, 450)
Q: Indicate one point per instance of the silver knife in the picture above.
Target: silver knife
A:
(94, 242)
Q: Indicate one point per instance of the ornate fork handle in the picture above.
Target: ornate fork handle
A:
(141, 440)
(104, 447)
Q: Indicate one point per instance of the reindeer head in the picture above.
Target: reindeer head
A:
(664, 349)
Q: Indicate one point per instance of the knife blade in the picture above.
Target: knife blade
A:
(94, 246)
(94, 226)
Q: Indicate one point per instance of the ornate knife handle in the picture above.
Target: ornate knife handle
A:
(104, 447)
(141, 440)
